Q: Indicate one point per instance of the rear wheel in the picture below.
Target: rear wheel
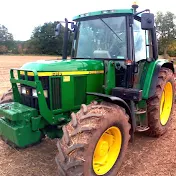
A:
(94, 142)
(160, 106)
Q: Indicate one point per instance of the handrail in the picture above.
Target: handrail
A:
(43, 107)
(25, 73)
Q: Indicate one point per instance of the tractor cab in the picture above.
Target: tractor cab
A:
(124, 36)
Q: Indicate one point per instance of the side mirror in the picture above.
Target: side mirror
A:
(74, 29)
(147, 21)
(58, 29)
(72, 26)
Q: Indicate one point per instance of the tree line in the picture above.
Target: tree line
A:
(44, 42)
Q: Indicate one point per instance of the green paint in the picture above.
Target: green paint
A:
(17, 112)
(109, 77)
(149, 68)
(19, 134)
(104, 12)
(20, 122)
(38, 123)
(16, 94)
(27, 83)
(140, 76)
(15, 124)
(44, 111)
(43, 107)
(94, 84)
(144, 82)
(64, 65)
(67, 89)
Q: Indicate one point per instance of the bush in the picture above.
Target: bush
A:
(172, 53)
(3, 49)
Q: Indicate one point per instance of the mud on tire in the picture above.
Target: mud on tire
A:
(81, 135)
(7, 97)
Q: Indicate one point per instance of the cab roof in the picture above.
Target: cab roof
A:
(103, 12)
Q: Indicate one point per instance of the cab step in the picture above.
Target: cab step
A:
(140, 111)
(142, 128)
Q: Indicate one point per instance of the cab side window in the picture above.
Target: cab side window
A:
(141, 42)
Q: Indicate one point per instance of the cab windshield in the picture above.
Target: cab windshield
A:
(102, 38)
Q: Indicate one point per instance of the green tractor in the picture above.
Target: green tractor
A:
(114, 75)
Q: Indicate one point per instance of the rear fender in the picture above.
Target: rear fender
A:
(155, 75)
(120, 102)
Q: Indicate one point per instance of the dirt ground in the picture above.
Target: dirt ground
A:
(7, 62)
(146, 157)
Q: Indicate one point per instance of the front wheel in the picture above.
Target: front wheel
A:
(94, 142)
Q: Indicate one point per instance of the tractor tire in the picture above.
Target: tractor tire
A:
(160, 106)
(7, 97)
(82, 143)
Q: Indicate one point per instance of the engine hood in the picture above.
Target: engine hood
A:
(64, 65)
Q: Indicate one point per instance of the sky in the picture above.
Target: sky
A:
(21, 16)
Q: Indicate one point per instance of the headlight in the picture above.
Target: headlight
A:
(45, 93)
(23, 90)
(34, 93)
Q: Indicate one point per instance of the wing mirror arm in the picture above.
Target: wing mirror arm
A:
(66, 34)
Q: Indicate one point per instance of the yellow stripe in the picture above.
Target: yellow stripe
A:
(64, 73)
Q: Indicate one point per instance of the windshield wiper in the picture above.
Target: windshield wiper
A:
(110, 29)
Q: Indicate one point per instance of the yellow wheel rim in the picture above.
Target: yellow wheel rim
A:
(107, 150)
(166, 103)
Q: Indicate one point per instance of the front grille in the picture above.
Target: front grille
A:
(80, 90)
(28, 99)
(44, 80)
(56, 92)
